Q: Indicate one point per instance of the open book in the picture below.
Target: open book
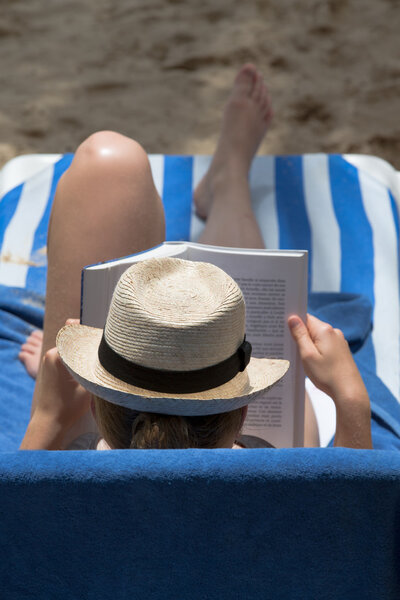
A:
(274, 285)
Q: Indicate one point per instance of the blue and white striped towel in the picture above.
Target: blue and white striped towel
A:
(343, 209)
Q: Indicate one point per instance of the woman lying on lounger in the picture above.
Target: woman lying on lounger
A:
(106, 206)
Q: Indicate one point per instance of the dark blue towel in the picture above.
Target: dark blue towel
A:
(20, 313)
(200, 524)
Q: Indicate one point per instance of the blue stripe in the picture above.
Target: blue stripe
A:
(357, 260)
(36, 277)
(8, 207)
(177, 196)
(355, 231)
(395, 212)
(294, 227)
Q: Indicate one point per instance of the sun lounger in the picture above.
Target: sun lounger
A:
(300, 523)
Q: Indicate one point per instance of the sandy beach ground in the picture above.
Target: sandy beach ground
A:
(160, 70)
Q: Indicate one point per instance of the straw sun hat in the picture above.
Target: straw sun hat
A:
(174, 343)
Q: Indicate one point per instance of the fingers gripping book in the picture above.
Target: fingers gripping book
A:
(274, 286)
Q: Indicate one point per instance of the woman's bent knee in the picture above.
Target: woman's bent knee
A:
(110, 151)
(110, 179)
(108, 167)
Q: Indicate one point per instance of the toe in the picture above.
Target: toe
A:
(264, 92)
(258, 89)
(246, 78)
(37, 333)
(23, 356)
(265, 106)
(26, 348)
(256, 94)
(268, 117)
(266, 103)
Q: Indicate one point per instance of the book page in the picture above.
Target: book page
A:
(274, 285)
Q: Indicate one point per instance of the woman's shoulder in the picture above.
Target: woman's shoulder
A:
(86, 441)
(251, 441)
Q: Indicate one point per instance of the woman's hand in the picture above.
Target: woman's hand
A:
(62, 398)
(61, 403)
(326, 357)
(329, 364)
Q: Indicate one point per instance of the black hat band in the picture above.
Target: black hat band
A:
(173, 382)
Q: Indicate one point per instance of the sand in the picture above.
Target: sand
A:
(160, 70)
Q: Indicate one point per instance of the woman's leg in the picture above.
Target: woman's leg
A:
(106, 206)
(223, 196)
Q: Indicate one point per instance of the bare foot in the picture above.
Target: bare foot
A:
(245, 121)
(31, 351)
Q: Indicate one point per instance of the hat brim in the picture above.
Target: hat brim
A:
(78, 345)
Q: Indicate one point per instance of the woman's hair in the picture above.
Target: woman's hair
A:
(123, 427)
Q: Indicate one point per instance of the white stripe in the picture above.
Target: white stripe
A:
(325, 232)
(263, 197)
(386, 331)
(21, 168)
(200, 168)
(380, 169)
(157, 170)
(325, 413)
(20, 233)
